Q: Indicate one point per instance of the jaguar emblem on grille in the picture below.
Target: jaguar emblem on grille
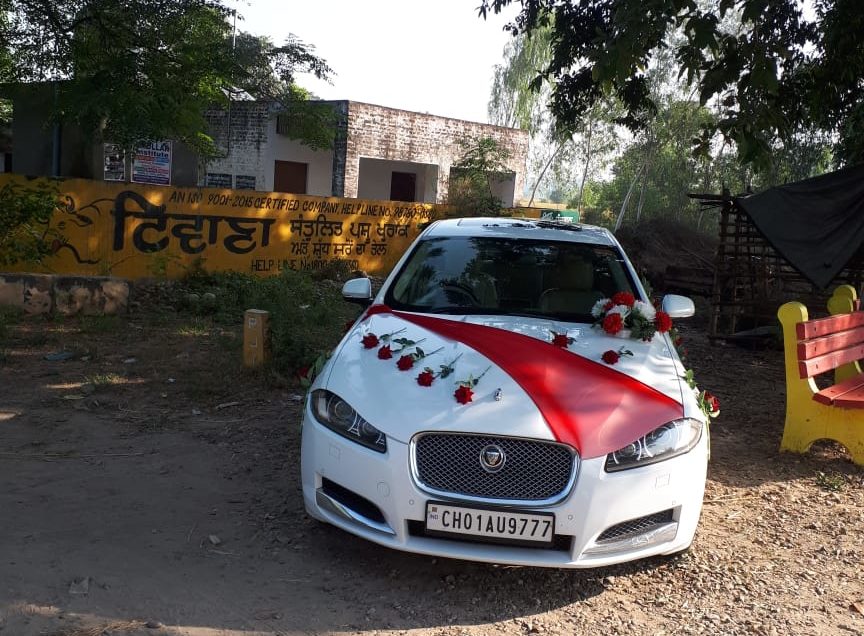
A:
(492, 458)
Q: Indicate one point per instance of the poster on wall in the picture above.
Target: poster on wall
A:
(244, 182)
(218, 180)
(151, 163)
(114, 162)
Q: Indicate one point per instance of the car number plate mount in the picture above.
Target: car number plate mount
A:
(491, 524)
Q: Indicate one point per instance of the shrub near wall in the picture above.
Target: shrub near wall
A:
(307, 316)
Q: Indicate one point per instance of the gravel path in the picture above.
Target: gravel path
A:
(130, 494)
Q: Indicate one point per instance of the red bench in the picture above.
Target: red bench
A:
(816, 347)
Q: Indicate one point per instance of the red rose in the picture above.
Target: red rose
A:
(623, 298)
(384, 353)
(663, 322)
(425, 378)
(609, 305)
(678, 341)
(405, 362)
(712, 402)
(611, 357)
(613, 323)
(560, 340)
(463, 394)
(370, 341)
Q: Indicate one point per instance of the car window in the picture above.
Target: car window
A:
(465, 275)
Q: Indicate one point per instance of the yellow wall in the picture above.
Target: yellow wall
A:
(136, 231)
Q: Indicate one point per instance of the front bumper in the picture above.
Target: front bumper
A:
(373, 495)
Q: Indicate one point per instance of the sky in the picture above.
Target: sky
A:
(429, 56)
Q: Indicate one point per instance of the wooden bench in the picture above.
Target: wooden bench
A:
(814, 347)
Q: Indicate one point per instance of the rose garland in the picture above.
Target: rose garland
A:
(464, 392)
(428, 376)
(612, 357)
(708, 403)
(561, 339)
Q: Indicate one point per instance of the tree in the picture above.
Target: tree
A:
(148, 69)
(5, 69)
(519, 98)
(779, 70)
(472, 177)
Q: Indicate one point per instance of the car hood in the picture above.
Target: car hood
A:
(394, 402)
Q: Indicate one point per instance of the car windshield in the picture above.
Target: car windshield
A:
(505, 276)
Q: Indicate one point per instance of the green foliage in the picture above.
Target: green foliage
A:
(765, 68)
(472, 177)
(9, 316)
(24, 215)
(269, 71)
(832, 482)
(517, 100)
(307, 317)
(149, 69)
(100, 324)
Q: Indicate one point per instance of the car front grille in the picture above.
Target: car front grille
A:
(533, 471)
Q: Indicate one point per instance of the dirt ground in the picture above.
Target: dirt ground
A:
(149, 486)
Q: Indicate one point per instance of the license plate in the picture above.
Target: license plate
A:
(511, 527)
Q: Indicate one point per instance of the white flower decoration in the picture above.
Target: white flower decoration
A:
(645, 309)
(599, 307)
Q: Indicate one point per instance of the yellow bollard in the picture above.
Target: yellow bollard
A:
(256, 331)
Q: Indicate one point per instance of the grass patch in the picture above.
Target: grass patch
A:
(102, 380)
(9, 316)
(198, 327)
(832, 482)
(100, 324)
(37, 338)
(229, 341)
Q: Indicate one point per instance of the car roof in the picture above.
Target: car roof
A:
(524, 228)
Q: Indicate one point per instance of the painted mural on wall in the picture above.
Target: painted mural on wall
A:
(136, 231)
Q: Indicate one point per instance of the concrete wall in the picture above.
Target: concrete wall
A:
(31, 138)
(387, 133)
(241, 136)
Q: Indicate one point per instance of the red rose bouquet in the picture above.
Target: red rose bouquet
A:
(623, 313)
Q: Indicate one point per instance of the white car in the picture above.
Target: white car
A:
(482, 409)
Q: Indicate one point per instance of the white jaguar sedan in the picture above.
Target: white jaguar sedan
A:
(510, 396)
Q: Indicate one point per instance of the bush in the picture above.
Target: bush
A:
(24, 216)
(307, 316)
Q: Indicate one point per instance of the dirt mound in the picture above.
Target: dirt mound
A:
(663, 249)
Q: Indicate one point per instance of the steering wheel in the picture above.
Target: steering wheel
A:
(461, 291)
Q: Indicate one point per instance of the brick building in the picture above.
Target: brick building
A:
(380, 153)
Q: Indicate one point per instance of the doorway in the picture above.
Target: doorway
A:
(290, 176)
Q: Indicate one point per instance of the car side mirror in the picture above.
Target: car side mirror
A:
(358, 290)
(678, 306)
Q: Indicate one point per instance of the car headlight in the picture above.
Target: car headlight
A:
(667, 441)
(340, 417)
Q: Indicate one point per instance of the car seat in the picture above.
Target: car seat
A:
(575, 293)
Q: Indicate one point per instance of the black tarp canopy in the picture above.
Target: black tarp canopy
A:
(816, 224)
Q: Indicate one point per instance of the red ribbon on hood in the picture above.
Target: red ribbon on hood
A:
(587, 405)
